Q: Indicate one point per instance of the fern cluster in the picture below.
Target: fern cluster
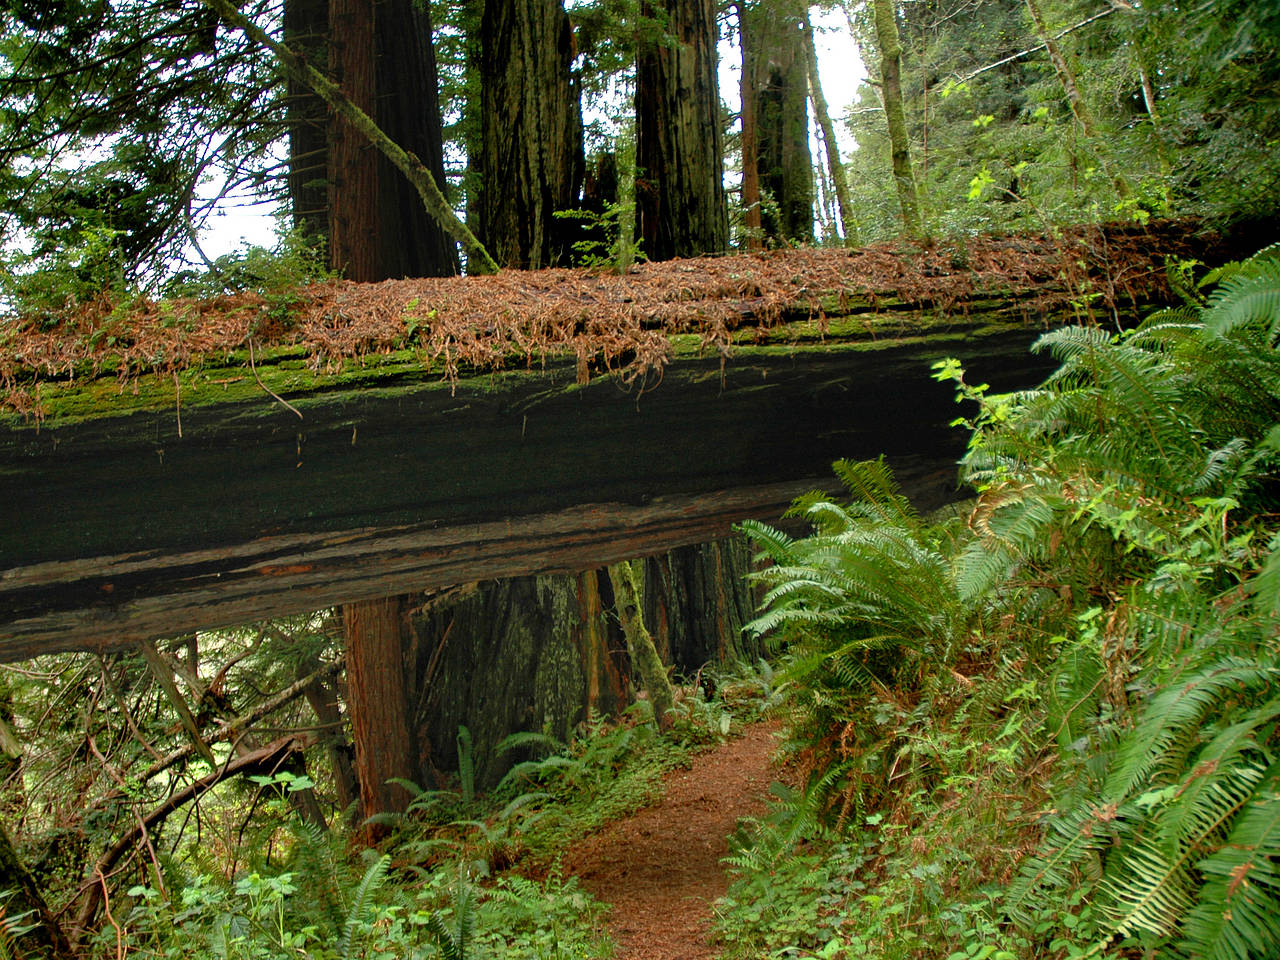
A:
(1125, 552)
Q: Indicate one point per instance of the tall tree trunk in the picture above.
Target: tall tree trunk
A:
(835, 168)
(1075, 99)
(679, 141)
(752, 222)
(353, 167)
(776, 76)
(306, 29)
(411, 243)
(890, 49)
(375, 634)
(531, 161)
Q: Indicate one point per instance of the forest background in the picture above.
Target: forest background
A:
(1077, 683)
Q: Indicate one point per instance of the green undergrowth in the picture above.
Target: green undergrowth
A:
(460, 875)
(1047, 728)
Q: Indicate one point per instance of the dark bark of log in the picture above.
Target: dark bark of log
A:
(679, 141)
(776, 77)
(306, 29)
(531, 158)
(521, 654)
(696, 601)
(47, 937)
(375, 633)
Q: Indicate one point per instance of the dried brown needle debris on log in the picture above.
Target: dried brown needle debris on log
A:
(619, 323)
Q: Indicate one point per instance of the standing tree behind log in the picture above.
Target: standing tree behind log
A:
(775, 83)
(680, 196)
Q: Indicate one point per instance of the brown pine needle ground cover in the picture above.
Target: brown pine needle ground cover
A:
(620, 324)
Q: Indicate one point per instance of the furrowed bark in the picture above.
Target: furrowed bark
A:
(428, 190)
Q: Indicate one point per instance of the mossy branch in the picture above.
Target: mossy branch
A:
(407, 163)
(644, 655)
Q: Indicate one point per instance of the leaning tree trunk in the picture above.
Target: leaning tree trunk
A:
(679, 141)
(1075, 99)
(644, 655)
(45, 936)
(375, 633)
(835, 167)
(530, 160)
(776, 78)
(886, 26)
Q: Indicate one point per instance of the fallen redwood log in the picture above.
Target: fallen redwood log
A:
(226, 485)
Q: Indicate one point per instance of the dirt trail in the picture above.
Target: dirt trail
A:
(660, 868)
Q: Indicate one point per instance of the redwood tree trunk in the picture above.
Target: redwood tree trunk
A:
(696, 601)
(751, 219)
(375, 634)
(530, 161)
(353, 169)
(679, 142)
(380, 54)
(776, 77)
(407, 107)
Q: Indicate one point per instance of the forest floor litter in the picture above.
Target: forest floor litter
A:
(661, 868)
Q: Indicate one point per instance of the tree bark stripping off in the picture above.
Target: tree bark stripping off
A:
(407, 163)
(752, 223)
(1079, 107)
(512, 655)
(375, 632)
(530, 163)
(696, 601)
(644, 655)
(679, 142)
(46, 936)
(265, 761)
(835, 167)
(776, 77)
(886, 26)
(306, 29)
